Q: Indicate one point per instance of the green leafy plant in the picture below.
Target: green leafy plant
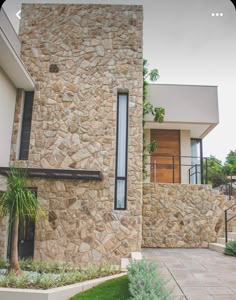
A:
(145, 282)
(14, 281)
(18, 202)
(157, 112)
(215, 172)
(230, 248)
(45, 266)
(230, 163)
(3, 264)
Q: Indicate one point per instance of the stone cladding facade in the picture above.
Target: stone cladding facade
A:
(97, 50)
(181, 215)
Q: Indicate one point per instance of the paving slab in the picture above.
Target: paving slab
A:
(196, 274)
(224, 297)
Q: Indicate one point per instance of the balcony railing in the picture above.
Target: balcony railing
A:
(166, 168)
(188, 169)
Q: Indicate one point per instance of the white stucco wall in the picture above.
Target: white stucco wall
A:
(185, 150)
(10, 60)
(7, 109)
(186, 103)
(188, 107)
(9, 31)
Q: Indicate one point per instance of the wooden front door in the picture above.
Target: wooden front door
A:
(165, 161)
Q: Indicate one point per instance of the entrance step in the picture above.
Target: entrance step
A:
(217, 247)
(232, 235)
(221, 240)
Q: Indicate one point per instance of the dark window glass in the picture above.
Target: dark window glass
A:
(26, 126)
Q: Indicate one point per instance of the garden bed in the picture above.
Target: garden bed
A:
(44, 275)
(44, 281)
(60, 293)
(51, 281)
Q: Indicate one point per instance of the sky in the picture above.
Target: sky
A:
(189, 44)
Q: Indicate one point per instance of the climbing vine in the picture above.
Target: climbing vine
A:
(157, 112)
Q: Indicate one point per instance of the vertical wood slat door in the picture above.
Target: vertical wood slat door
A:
(168, 146)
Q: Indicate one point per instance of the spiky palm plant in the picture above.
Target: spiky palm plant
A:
(18, 202)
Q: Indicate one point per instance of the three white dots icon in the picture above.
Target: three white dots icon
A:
(217, 14)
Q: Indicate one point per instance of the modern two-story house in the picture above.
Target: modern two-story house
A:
(76, 124)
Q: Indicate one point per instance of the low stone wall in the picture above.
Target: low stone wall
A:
(181, 215)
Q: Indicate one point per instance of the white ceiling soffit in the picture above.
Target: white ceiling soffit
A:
(13, 66)
(197, 130)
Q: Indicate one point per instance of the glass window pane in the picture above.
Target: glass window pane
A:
(120, 194)
(26, 125)
(122, 134)
(195, 175)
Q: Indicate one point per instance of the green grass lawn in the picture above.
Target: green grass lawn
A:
(115, 289)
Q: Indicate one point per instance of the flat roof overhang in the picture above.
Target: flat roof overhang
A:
(57, 173)
(197, 130)
(187, 107)
(10, 61)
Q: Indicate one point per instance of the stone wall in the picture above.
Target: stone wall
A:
(183, 215)
(98, 52)
(81, 225)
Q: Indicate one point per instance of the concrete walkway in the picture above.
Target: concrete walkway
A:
(196, 274)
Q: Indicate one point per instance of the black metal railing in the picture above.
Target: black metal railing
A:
(227, 221)
(193, 166)
(196, 169)
(194, 173)
(229, 190)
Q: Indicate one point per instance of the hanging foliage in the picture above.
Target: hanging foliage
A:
(157, 112)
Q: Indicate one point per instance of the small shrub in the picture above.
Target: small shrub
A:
(145, 282)
(3, 264)
(14, 281)
(230, 248)
(45, 266)
(47, 281)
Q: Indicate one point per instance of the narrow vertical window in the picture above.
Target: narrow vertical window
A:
(26, 126)
(121, 151)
